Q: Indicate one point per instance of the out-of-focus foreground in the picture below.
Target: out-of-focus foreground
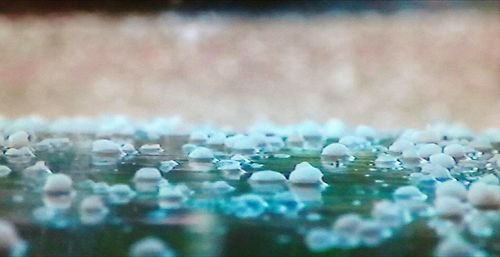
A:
(403, 69)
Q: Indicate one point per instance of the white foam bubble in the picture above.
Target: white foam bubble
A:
(456, 151)
(147, 179)
(401, 145)
(10, 242)
(120, 194)
(452, 188)
(4, 171)
(449, 207)
(305, 173)
(93, 210)
(454, 245)
(150, 247)
(426, 150)
(319, 239)
(18, 139)
(443, 160)
(58, 183)
(483, 195)
(336, 152)
(409, 193)
(167, 166)
(267, 176)
(201, 153)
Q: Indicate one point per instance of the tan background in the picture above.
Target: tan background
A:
(404, 69)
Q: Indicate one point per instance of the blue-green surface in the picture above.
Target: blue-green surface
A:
(204, 228)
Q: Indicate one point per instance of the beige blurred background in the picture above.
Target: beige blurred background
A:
(402, 69)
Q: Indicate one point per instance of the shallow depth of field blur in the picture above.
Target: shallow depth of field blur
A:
(402, 68)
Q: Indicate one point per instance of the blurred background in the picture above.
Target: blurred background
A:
(381, 63)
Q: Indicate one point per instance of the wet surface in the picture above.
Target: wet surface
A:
(205, 225)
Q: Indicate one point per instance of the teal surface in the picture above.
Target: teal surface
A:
(205, 229)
